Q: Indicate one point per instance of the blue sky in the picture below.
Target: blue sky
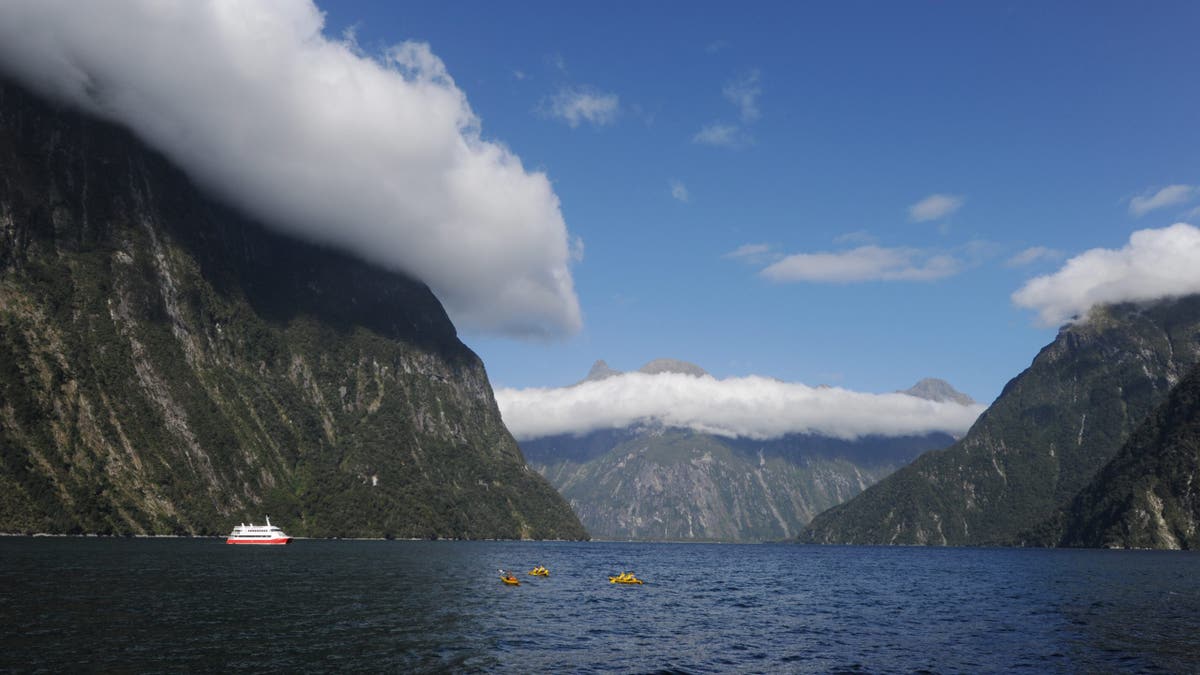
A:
(850, 194)
(841, 193)
(1044, 119)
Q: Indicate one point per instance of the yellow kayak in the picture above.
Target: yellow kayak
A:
(511, 581)
(539, 572)
(625, 578)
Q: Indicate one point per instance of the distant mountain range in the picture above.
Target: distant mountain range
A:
(1013, 477)
(649, 481)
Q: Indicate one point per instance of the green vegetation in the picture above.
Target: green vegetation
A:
(1146, 497)
(655, 483)
(1054, 426)
(167, 366)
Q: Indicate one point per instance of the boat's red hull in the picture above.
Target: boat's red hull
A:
(260, 542)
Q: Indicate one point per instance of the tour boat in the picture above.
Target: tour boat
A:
(258, 534)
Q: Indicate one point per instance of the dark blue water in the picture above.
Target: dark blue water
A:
(154, 605)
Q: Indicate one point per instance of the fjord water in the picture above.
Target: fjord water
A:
(70, 604)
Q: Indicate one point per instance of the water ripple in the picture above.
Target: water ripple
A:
(153, 605)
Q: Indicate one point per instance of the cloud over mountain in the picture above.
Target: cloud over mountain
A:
(752, 407)
(380, 156)
(1156, 263)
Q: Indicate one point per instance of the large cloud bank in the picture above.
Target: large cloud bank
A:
(381, 157)
(750, 407)
(1154, 264)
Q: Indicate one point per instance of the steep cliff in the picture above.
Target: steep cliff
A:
(651, 480)
(167, 365)
(677, 484)
(1053, 427)
(1147, 496)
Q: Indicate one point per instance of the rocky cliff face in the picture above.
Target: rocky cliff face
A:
(933, 389)
(1054, 426)
(167, 365)
(651, 482)
(1147, 496)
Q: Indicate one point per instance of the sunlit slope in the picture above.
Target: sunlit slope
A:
(1146, 497)
(678, 484)
(1053, 427)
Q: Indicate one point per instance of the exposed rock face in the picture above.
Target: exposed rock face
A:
(650, 482)
(672, 366)
(1054, 426)
(1148, 496)
(168, 366)
(933, 389)
(599, 371)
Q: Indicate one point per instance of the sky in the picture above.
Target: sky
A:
(849, 194)
(962, 149)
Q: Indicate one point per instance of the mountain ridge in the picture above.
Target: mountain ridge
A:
(1052, 428)
(168, 366)
(1146, 496)
(649, 480)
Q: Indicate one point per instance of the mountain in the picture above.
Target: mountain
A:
(648, 481)
(169, 366)
(672, 366)
(599, 371)
(1146, 497)
(933, 389)
(1052, 428)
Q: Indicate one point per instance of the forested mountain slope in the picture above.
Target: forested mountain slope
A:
(1053, 427)
(167, 365)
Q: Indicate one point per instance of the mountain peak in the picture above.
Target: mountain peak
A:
(600, 371)
(672, 366)
(933, 389)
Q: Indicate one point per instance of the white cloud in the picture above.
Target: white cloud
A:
(679, 191)
(752, 407)
(1032, 255)
(721, 135)
(865, 263)
(856, 237)
(382, 157)
(934, 207)
(1154, 264)
(743, 92)
(576, 105)
(1168, 196)
(748, 250)
(753, 254)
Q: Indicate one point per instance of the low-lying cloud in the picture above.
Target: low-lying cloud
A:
(379, 156)
(1156, 263)
(749, 407)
